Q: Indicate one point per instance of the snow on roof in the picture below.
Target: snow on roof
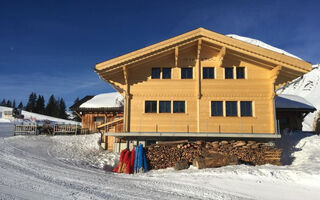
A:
(292, 101)
(261, 44)
(105, 100)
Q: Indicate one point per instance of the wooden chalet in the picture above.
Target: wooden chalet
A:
(101, 113)
(200, 84)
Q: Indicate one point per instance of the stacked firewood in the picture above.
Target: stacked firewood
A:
(211, 154)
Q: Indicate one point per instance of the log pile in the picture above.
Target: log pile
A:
(211, 154)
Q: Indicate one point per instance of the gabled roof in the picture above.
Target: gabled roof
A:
(76, 106)
(208, 36)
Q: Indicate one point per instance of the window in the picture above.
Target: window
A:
(231, 108)
(186, 73)
(166, 73)
(155, 74)
(246, 108)
(98, 119)
(165, 107)
(208, 72)
(178, 107)
(150, 106)
(216, 108)
(228, 73)
(240, 73)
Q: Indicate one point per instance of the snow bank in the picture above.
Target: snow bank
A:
(308, 87)
(261, 44)
(113, 99)
(83, 150)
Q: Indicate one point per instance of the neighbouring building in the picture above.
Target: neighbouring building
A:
(200, 84)
(101, 113)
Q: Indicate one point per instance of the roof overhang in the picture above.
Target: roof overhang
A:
(230, 44)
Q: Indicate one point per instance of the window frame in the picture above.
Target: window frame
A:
(241, 109)
(98, 117)
(225, 73)
(186, 68)
(164, 101)
(154, 68)
(232, 113)
(150, 101)
(163, 68)
(244, 72)
(208, 68)
(184, 106)
(211, 104)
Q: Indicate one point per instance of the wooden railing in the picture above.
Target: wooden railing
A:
(65, 129)
(25, 129)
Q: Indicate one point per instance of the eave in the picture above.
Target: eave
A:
(230, 44)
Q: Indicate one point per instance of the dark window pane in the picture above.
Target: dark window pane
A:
(240, 72)
(208, 72)
(151, 106)
(178, 107)
(186, 73)
(216, 108)
(231, 108)
(165, 107)
(155, 73)
(228, 72)
(246, 108)
(98, 119)
(166, 73)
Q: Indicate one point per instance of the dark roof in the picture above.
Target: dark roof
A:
(75, 107)
(286, 102)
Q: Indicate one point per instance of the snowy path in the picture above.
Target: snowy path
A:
(30, 169)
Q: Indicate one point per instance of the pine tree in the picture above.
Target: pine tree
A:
(20, 106)
(3, 103)
(9, 104)
(62, 109)
(52, 108)
(40, 105)
(31, 105)
(14, 104)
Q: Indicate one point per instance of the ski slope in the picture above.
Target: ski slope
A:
(45, 167)
(30, 117)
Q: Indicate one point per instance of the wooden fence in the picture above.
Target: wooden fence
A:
(65, 129)
(25, 129)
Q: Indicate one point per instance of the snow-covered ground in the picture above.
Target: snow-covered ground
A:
(33, 117)
(46, 167)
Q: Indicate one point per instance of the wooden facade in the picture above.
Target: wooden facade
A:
(261, 71)
(93, 120)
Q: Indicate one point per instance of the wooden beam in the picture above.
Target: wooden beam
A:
(221, 55)
(198, 78)
(127, 99)
(78, 114)
(176, 54)
(275, 71)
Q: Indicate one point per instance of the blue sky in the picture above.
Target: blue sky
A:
(51, 47)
